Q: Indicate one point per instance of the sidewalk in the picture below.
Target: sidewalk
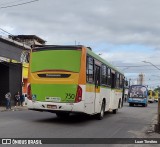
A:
(149, 132)
(13, 108)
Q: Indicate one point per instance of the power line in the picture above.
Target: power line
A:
(18, 4)
(5, 31)
(1, 32)
(1, 4)
(136, 66)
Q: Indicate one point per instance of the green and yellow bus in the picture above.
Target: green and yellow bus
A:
(73, 79)
(151, 96)
(156, 96)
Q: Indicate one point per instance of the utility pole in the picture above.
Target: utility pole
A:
(129, 82)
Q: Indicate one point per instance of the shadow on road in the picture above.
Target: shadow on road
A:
(73, 118)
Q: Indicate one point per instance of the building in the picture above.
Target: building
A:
(14, 63)
(28, 39)
(141, 79)
(11, 67)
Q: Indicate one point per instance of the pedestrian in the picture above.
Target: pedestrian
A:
(22, 99)
(17, 99)
(125, 98)
(8, 100)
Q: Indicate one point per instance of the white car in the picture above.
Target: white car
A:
(151, 99)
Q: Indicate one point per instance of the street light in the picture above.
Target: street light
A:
(157, 126)
(151, 64)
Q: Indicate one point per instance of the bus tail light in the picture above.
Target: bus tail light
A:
(29, 92)
(79, 94)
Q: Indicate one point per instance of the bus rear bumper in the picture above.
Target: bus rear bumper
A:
(56, 107)
(137, 101)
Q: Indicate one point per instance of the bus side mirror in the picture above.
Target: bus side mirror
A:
(126, 83)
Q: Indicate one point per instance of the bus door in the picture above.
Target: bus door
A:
(97, 88)
(113, 82)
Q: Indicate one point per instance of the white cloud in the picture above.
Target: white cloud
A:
(92, 22)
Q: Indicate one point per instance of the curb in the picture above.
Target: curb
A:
(150, 131)
(14, 109)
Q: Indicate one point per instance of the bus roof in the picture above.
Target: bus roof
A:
(56, 47)
(75, 47)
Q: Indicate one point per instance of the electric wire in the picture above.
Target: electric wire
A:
(5, 31)
(134, 65)
(18, 4)
(1, 4)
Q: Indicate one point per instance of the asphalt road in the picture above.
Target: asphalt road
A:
(129, 122)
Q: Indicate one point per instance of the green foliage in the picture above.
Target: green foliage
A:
(157, 89)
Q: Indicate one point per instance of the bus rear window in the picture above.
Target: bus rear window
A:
(67, 60)
(138, 91)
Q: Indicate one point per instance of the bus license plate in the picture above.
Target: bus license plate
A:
(52, 106)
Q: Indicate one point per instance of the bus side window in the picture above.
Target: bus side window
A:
(97, 75)
(117, 80)
(122, 82)
(149, 93)
(109, 77)
(113, 80)
(90, 70)
(104, 75)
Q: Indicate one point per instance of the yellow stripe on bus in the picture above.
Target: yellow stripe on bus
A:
(91, 88)
(118, 90)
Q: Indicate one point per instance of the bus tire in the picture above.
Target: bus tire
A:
(62, 114)
(144, 105)
(130, 104)
(115, 111)
(119, 104)
(101, 114)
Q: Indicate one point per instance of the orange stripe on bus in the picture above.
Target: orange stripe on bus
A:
(82, 74)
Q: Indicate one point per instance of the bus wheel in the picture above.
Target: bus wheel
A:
(144, 105)
(115, 111)
(101, 114)
(62, 114)
(130, 104)
(119, 104)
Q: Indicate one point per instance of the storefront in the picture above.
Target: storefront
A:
(11, 67)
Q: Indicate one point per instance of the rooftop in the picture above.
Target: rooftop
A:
(24, 37)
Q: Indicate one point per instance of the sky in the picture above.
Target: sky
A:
(123, 32)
